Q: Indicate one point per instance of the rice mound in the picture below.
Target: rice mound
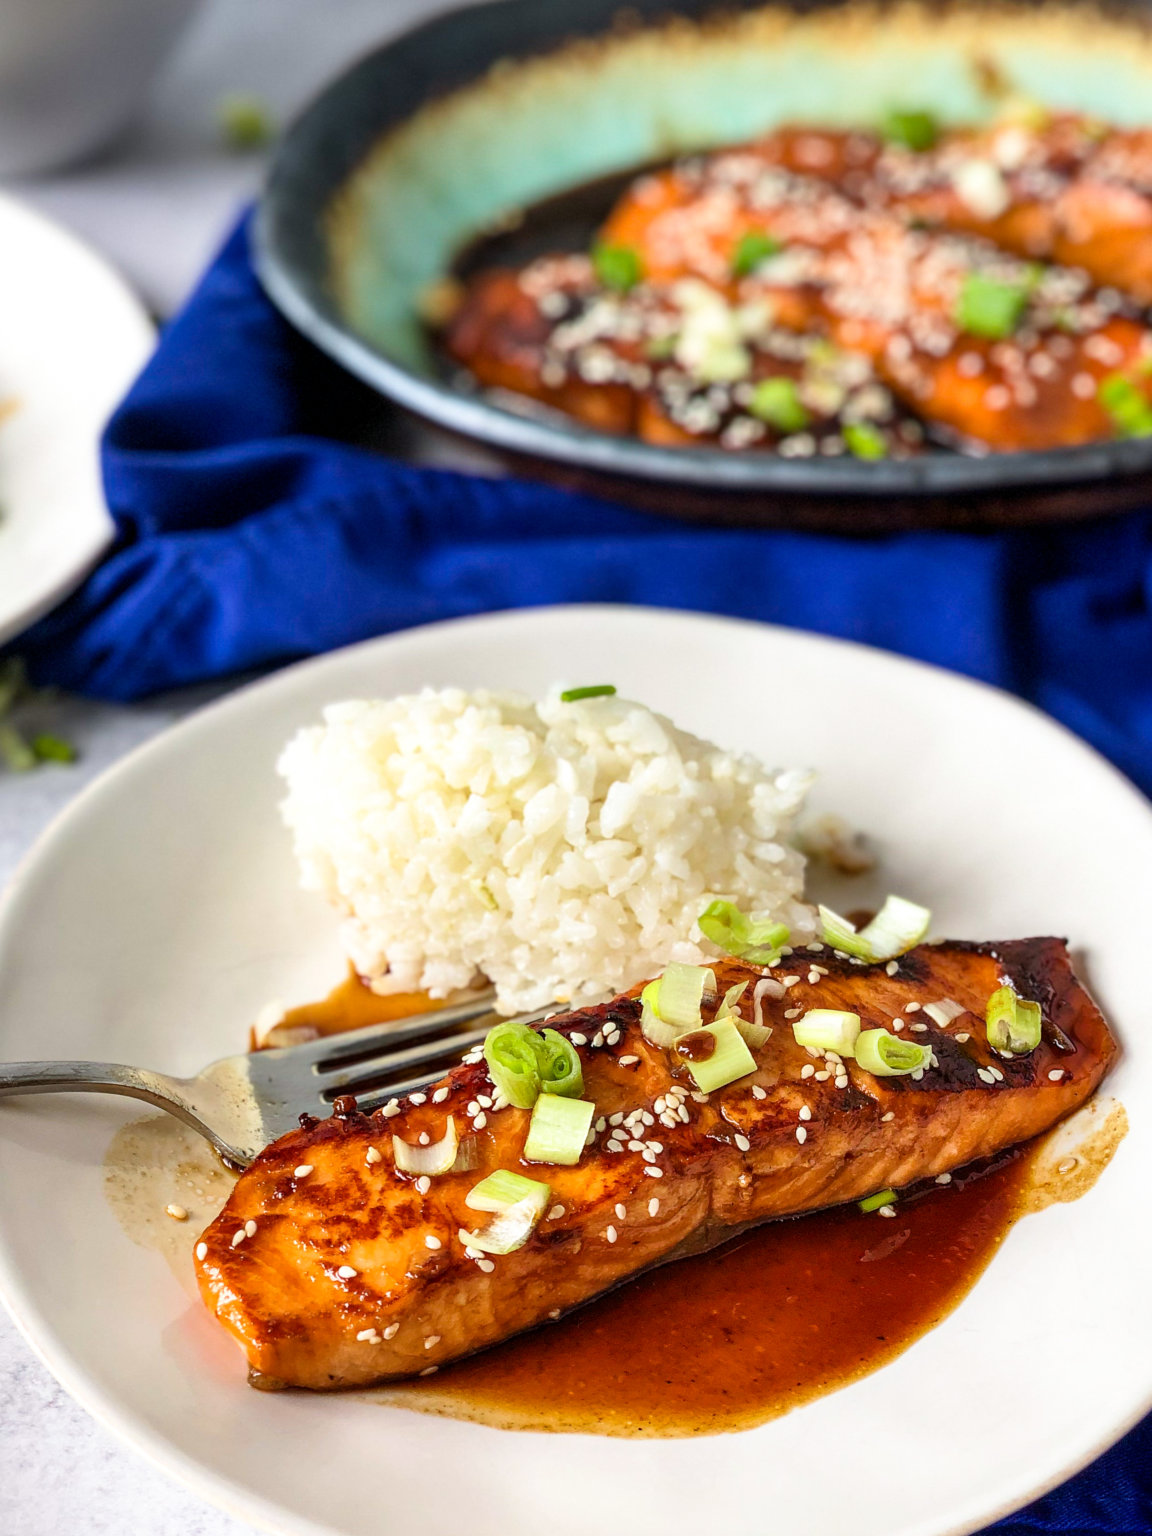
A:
(563, 850)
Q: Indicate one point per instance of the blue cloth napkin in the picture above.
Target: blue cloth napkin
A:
(248, 535)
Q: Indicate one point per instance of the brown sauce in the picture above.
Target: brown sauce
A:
(350, 1005)
(732, 1338)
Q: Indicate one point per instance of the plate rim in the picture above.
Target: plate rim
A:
(100, 526)
(125, 1423)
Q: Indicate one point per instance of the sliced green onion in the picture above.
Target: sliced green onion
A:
(558, 1130)
(1014, 1024)
(245, 122)
(754, 1034)
(511, 1229)
(916, 130)
(1127, 405)
(514, 1063)
(886, 1055)
(560, 1069)
(753, 247)
(777, 402)
(595, 691)
(17, 754)
(733, 931)
(864, 441)
(730, 1059)
(652, 1026)
(682, 989)
(617, 266)
(990, 308)
(828, 1029)
(503, 1189)
(881, 1197)
(434, 1159)
(53, 749)
(897, 927)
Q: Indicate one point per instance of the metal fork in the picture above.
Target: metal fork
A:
(243, 1102)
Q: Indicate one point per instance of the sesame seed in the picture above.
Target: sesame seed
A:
(758, 1092)
(815, 947)
(654, 1173)
(793, 1013)
(699, 1098)
(841, 1080)
(621, 1212)
(424, 1139)
(484, 1101)
(578, 1039)
(613, 1038)
(898, 1025)
(789, 981)
(432, 1242)
(431, 1341)
(392, 1330)
(177, 1212)
(601, 1124)
(813, 978)
(742, 1142)
(238, 1237)
(610, 1234)
(962, 1039)
(997, 1075)
(250, 1228)
(984, 1075)
(440, 1095)
(365, 1334)
(472, 1108)
(1067, 1165)
(1053, 1077)
(555, 1313)
(891, 1115)
(597, 1040)
(303, 1171)
(626, 1061)
(417, 1098)
(391, 1108)
(892, 967)
(807, 1070)
(479, 1121)
(429, 1370)
(801, 1134)
(822, 1077)
(653, 1206)
(372, 1156)
(655, 1146)
(886, 1210)
(805, 1112)
(555, 1213)
(918, 1029)
(423, 1183)
(617, 1118)
(648, 1155)
(201, 1251)
(486, 1265)
(911, 1007)
(346, 1272)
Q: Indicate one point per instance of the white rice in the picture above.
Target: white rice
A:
(562, 850)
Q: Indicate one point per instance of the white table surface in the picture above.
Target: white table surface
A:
(157, 207)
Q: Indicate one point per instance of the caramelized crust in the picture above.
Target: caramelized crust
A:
(347, 1273)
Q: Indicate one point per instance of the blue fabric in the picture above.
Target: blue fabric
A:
(248, 535)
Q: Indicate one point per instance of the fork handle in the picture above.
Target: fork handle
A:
(87, 1077)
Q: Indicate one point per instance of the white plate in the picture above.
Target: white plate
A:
(160, 913)
(72, 339)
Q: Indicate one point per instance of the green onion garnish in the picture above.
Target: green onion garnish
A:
(682, 989)
(881, 1197)
(596, 691)
(753, 247)
(987, 307)
(1014, 1024)
(503, 1189)
(245, 122)
(558, 1130)
(864, 441)
(729, 1060)
(777, 401)
(514, 1063)
(53, 749)
(617, 266)
(1127, 405)
(434, 1159)
(559, 1064)
(897, 927)
(886, 1055)
(511, 1229)
(737, 934)
(828, 1029)
(914, 130)
(652, 1026)
(17, 754)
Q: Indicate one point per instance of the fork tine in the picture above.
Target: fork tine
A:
(364, 1071)
(332, 1051)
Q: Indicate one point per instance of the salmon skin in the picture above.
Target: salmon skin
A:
(332, 1268)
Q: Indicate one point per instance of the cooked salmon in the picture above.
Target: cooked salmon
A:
(332, 1268)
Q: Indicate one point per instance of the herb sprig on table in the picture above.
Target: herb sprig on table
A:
(20, 749)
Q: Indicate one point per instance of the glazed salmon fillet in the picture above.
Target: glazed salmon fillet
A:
(332, 1268)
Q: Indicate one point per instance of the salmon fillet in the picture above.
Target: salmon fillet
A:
(331, 1268)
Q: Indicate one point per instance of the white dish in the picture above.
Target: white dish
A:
(72, 339)
(160, 913)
